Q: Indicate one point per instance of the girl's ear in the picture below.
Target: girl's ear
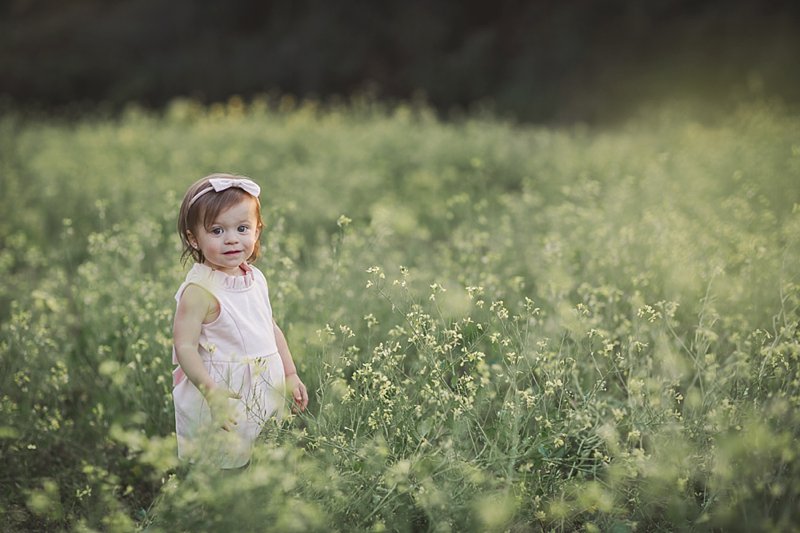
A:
(191, 239)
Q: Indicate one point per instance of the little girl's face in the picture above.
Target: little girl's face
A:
(230, 240)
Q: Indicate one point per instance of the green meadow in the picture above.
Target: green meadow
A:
(502, 326)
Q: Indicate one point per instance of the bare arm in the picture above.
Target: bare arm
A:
(293, 383)
(283, 350)
(195, 306)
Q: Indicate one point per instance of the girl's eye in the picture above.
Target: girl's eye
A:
(216, 231)
(243, 229)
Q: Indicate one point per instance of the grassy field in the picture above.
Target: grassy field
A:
(501, 326)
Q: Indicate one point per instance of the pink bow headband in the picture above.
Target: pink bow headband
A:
(221, 184)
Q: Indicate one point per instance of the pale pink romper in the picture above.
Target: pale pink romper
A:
(240, 353)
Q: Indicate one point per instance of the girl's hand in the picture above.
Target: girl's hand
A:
(221, 410)
(299, 393)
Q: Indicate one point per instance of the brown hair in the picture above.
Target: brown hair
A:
(205, 210)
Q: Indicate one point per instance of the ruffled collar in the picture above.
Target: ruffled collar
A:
(223, 280)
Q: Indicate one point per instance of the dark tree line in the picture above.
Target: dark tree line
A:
(541, 60)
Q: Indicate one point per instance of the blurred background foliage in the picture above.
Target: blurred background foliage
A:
(574, 303)
(543, 61)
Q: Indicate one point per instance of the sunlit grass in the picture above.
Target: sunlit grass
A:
(503, 327)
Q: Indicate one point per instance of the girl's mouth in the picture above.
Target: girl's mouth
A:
(232, 253)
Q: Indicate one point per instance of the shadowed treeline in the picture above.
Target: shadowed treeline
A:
(544, 60)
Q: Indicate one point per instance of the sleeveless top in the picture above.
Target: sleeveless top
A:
(241, 354)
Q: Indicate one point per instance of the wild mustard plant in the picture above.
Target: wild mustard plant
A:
(502, 327)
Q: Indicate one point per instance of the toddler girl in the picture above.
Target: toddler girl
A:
(233, 358)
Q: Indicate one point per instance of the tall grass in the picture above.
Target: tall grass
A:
(503, 327)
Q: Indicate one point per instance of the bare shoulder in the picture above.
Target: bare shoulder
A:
(258, 273)
(197, 303)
